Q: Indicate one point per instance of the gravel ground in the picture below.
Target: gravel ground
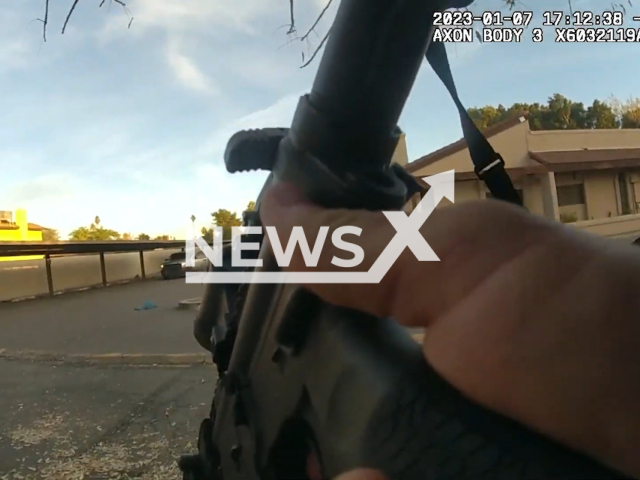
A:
(62, 422)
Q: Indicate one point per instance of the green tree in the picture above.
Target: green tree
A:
(226, 219)
(631, 118)
(50, 235)
(561, 113)
(601, 115)
(207, 234)
(93, 233)
(144, 237)
(537, 116)
(487, 116)
(251, 206)
(163, 238)
(627, 112)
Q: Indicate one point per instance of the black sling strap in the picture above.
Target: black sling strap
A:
(489, 165)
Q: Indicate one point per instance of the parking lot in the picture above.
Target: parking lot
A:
(71, 422)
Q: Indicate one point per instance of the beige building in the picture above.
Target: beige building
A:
(588, 178)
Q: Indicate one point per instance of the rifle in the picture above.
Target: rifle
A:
(300, 379)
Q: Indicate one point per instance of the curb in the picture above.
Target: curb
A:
(119, 359)
(122, 359)
(190, 304)
(97, 286)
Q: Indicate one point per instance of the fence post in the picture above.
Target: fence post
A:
(142, 265)
(47, 266)
(103, 270)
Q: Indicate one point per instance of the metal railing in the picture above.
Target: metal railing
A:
(49, 250)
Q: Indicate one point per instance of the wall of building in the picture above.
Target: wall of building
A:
(511, 144)
(626, 227)
(602, 195)
(530, 189)
(635, 187)
(558, 140)
(465, 191)
(20, 234)
(589, 199)
(400, 155)
(532, 194)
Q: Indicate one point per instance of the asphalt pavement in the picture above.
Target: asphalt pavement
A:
(93, 423)
(28, 278)
(104, 320)
(77, 421)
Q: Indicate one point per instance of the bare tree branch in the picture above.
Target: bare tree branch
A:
(66, 21)
(317, 49)
(73, 7)
(324, 10)
(292, 29)
(292, 25)
(45, 21)
(124, 7)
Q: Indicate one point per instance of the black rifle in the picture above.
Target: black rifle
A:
(299, 377)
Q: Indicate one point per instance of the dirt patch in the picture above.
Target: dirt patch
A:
(42, 429)
(101, 424)
(146, 455)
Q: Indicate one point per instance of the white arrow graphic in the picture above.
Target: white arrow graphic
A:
(407, 235)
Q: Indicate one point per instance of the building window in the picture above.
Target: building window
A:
(623, 184)
(570, 195)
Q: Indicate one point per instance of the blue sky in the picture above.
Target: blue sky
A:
(131, 124)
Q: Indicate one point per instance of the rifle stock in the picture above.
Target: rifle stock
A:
(307, 378)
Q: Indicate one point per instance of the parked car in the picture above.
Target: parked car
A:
(176, 267)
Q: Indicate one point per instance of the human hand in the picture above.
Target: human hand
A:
(527, 317)
(362, 474)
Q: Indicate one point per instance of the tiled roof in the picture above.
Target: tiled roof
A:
(12, 226)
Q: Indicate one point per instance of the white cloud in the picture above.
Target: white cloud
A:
(14, 54)
(279, 114)
(190, 16)
(39, 190)
(154, 202)
(188, 72)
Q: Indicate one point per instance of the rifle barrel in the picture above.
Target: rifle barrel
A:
(367, 71)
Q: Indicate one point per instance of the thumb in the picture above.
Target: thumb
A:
(285, 207)
(362, 474)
